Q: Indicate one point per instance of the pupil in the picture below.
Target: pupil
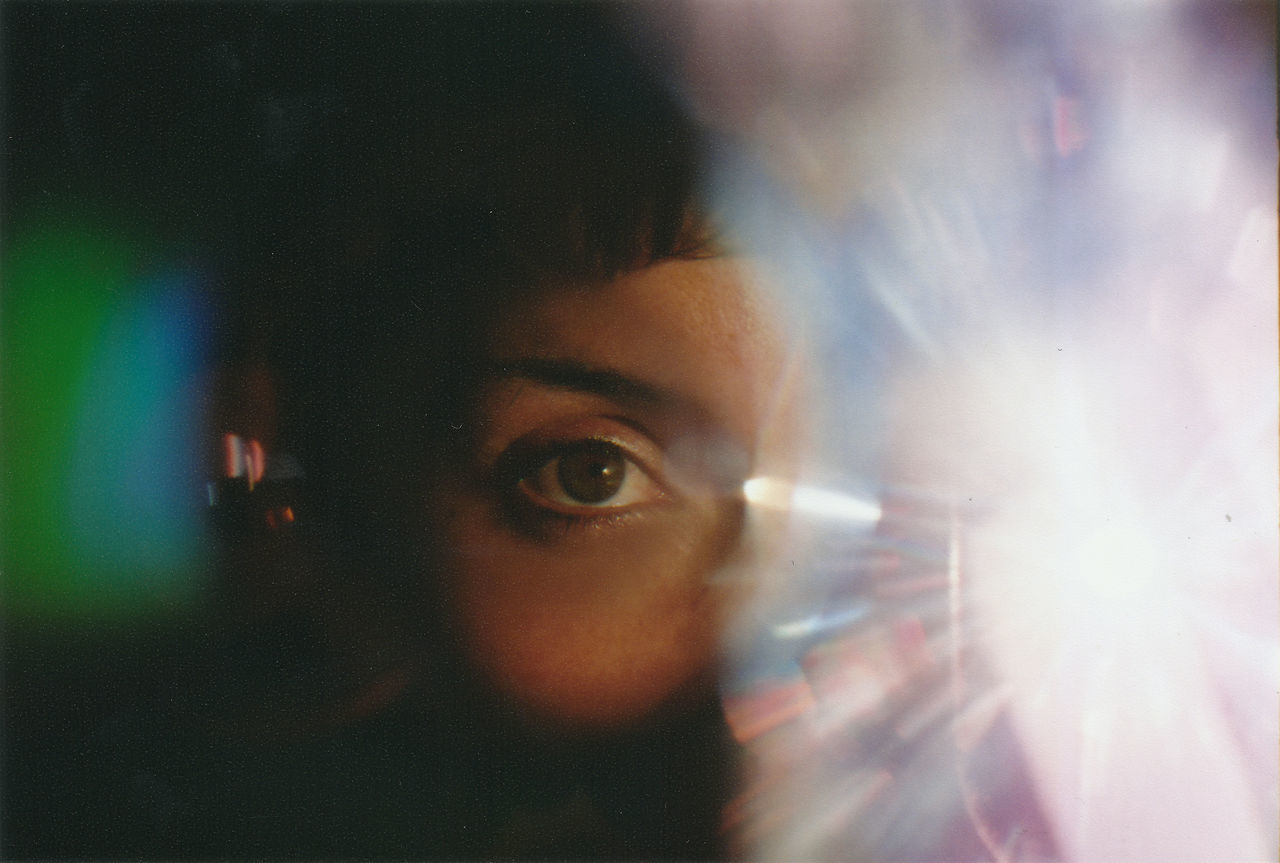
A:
(592, 475)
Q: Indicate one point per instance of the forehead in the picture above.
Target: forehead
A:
(697, 329)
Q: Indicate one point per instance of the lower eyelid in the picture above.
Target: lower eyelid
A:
(551, 523)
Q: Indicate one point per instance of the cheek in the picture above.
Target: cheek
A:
(599, 629)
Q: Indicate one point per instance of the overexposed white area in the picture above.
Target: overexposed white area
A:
(1036, 245)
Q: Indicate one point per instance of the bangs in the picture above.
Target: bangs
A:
(554, 192)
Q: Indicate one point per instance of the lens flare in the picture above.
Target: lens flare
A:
(103, 358)
(808, 500)
(1036, 245)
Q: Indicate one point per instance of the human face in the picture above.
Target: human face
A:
(589, 536)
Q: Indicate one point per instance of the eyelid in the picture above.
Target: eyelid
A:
(544, 443)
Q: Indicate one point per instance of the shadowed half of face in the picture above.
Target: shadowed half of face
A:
(589, 527)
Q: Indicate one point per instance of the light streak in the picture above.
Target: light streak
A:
(778, 494)
(817, 623)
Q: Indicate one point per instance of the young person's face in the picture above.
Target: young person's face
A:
(593, 538)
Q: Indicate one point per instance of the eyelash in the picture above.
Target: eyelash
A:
(532, 480)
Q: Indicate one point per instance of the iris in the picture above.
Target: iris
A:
(592, 473)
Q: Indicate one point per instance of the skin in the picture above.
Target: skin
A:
(598, 614)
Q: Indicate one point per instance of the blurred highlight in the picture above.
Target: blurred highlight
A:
(243, 459)
(103, 355)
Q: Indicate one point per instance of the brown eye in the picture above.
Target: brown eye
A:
(593, 473)
(589, 476)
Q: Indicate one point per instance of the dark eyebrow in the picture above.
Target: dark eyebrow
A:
(574, 375)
